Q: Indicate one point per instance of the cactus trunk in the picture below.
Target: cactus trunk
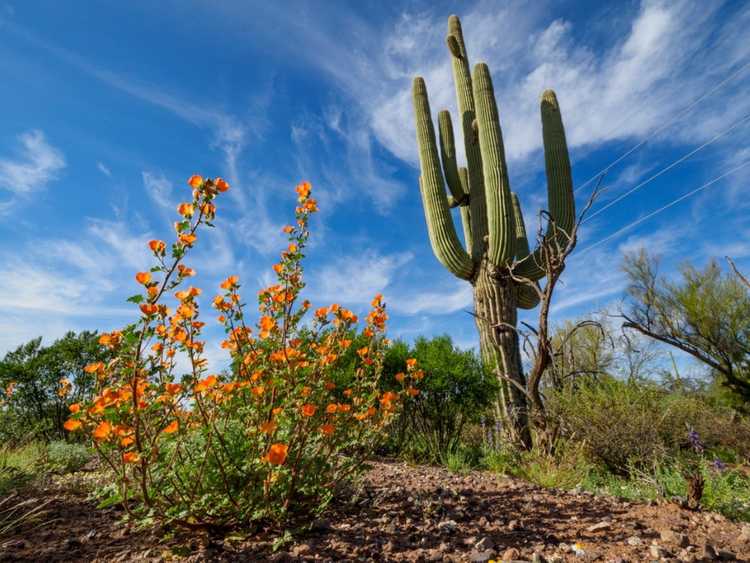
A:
(496, 247)
(495, 312)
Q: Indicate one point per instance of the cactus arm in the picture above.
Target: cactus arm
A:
(522, 241)
(526, 296)
(559, 184)
(465, 98)
(463, 175)
(443, 238)
(496, 188)
(448, 158)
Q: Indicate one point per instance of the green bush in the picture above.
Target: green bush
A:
(633, 424)
(455, 394)
(65, 457)
(18, 465)
(37, 383)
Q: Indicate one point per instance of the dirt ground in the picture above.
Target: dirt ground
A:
(407, 513)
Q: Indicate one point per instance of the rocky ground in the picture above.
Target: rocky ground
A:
(407, 513)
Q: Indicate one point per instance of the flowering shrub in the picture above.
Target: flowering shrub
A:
(271, 436)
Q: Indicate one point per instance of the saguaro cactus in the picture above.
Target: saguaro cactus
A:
(496, 254)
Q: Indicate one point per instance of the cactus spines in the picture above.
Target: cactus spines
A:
(497, 250)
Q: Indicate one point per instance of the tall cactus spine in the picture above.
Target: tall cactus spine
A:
(496, 252)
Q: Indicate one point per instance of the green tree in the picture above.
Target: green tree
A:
(705, 313)
(455, 391)
(35, 376)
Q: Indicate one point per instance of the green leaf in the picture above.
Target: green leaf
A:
(135, 299)
(110, 501)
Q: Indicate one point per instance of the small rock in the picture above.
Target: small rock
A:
(511, 554)
(484, 544)
(599, 526)
(443, 547)
(481, 556)
(538, 558)
(744, 534)
(672, 537)
(656, 552)
(726, 555)
(513, 525)
(301, 549)
(448, 526)
(388, 547)
(634, 540)
(321, 525)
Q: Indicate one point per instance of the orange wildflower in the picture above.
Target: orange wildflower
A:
(308, 409)
(205, 384)
(187, 239)
(72, 425)
(143, 277)
(74, 408)
(277, 454)
(327, 429)
(230, 282)
(126, 441)
(288, 229)
(221, 184)
(102, 431)
(195, 181)
(400, 376)
(184, 271)
(411, 363)
(331, 408)
(303, 190)
(278, 268)
(268, 427)
(131, 457)
(172, 427)
(149, 309)
(157, 246)
(95, 367)
(412, 391)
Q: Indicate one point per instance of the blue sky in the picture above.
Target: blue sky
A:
(108, 108)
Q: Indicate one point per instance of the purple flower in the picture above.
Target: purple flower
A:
(718, 465)
(695, 441)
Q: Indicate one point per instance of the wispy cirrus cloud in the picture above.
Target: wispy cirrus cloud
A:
(36, 164)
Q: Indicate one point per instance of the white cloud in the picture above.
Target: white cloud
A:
(37, 164)
(434, 302)
(104, 169)
(159, 189)
(354, 280)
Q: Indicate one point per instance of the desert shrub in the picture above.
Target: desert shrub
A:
(272, 437)
(37, 383)
(65, 457)
(455, 394)
(633, 424)
(19, 465)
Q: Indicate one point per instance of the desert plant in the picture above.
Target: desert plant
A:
(37, 383)
(705, 314)
(272, 437)
(630, 424)
(65, 457)
(16, 512)
(456, 392)
(496, 259)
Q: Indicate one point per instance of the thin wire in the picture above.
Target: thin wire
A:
(663, 127)
(664, 208)
(667, 168)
